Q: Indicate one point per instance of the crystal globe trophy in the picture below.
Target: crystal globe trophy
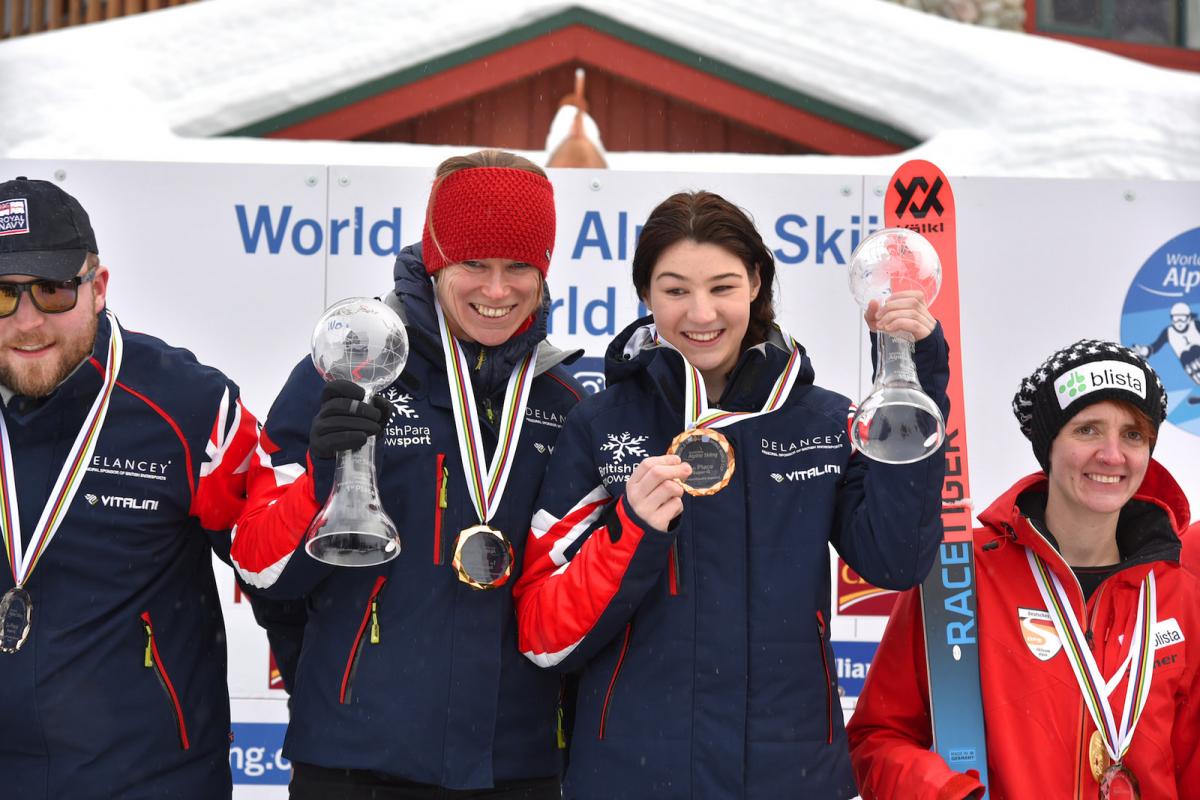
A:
(363, 341)
(897, 423)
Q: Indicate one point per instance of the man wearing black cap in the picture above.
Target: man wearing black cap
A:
(122, 468)
(1088, 628)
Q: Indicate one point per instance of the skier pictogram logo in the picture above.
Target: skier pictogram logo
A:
(931, 197)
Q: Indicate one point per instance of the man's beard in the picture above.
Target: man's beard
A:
(41, 377)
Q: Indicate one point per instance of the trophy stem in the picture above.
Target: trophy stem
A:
(352, 529)
(896, 367)
(898, 423)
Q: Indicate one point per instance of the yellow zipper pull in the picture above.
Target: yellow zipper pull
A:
(374, 622)
(562, 735)
(479, 361)
(149, 646)
(442, 494)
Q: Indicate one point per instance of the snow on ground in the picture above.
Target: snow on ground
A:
(160, 86)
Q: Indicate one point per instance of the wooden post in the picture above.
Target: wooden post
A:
(18, 18)
(37, 15)
(94, 10)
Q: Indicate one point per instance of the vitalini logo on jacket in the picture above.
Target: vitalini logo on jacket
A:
(113, 501)
(806, 474)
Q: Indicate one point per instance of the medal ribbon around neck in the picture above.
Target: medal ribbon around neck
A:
(1087, 674)
(697, 414)
(22, 561)
(485, 482)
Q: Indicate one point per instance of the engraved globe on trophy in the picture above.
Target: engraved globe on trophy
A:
(897, 423)
(363, 341)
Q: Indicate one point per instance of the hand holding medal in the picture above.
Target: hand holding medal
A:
(655, 489)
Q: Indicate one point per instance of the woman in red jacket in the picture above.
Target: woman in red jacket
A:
(1089, 629)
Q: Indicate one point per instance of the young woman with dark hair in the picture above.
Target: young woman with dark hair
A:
(409, 683)
(698, 619)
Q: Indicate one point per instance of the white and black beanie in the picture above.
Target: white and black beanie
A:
(1087, 372)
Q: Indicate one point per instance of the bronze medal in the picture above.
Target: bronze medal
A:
(16, 617)
(483, 557)
(710, 456)
(1098, 758)
(1118, 783)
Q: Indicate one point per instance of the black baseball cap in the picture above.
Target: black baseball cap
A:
(44, 232)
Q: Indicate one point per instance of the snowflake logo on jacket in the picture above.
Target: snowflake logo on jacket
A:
(625, 444)
(400, 402)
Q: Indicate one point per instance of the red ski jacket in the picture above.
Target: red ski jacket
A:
(1191, 549)
(1038, 729)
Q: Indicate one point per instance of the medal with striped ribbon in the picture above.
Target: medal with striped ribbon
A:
(16, 606)
(483, 556)
(701, 445)
(1116, 780)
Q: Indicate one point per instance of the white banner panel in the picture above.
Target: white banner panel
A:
(237, 262)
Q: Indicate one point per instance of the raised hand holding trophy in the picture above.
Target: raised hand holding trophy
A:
(363, 341)
(897, 423)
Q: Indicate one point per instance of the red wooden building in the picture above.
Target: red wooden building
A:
(646, 94)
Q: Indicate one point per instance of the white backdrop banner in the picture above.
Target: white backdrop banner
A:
(237, 262)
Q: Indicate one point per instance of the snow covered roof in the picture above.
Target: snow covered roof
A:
(165, 85)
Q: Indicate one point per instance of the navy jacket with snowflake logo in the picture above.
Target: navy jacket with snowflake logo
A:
(404, 669)
(704, 652)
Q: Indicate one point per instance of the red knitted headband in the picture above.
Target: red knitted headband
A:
(489, 212)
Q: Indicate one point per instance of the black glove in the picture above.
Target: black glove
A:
(344, 421)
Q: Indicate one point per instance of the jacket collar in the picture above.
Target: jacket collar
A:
(635, 351)
(1148, 529)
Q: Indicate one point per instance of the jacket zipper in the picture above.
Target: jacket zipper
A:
(828, 679)
(673, 568)
(612, 683)
(439, 506)
(154, 661)
(371, 617)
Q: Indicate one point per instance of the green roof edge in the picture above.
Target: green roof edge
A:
(604, 24)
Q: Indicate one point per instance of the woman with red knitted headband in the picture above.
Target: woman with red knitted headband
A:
(409, 683)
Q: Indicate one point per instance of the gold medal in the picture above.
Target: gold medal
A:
(483, 557)
(1098, 758)
(710, 456)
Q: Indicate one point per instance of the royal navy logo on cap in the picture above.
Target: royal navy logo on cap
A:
(14, 216)
(1096, 375)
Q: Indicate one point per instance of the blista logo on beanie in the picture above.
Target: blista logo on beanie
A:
(1096, 375)
(14, 216)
